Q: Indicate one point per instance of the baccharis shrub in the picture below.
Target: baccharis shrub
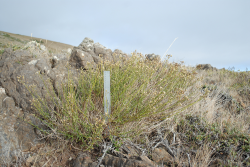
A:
(143, 93)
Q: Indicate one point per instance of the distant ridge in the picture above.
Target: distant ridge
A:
(7, 38)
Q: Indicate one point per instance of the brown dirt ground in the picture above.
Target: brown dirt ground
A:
(10, 39)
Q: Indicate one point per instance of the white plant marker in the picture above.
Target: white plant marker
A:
(107, 99)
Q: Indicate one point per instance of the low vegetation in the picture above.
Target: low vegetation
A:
(12, 38)
(206, 110)
(143, 93)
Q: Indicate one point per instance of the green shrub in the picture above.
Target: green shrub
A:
(143, 93)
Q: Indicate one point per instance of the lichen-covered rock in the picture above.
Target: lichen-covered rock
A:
(15, 134)
(36, 49)
(20, 71)
(69, 50)
(153, 57)
(87, 45)
(18, 67)
(81, 59)
(205, 67)
(23, 75)
(89, 54)
(103, 52)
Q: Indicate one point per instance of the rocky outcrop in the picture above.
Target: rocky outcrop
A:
(153, 57)
(21, 72)
(205, 67)
(15, 134)
(89, 54)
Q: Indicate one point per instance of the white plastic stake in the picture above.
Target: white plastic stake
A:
(107, 100)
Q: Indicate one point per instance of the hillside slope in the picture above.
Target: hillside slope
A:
(162, 113)
(9, 40)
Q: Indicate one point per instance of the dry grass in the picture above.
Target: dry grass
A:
(17, 41)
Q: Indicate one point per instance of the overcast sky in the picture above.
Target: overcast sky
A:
(207, 31)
